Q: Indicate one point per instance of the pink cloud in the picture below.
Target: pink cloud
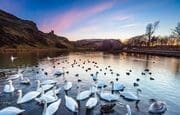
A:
(64, 21)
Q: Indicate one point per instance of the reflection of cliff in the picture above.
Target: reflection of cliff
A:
(26, 59)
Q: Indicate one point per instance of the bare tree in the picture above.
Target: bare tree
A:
(150, 29)
(176, 31)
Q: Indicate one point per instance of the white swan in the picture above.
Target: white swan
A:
(52, 108)
(45, 87)
(24, 80)
(116, 86)
(91, 102)
(157, 107)
(71, 104)
(130, 95)
(107, 96)
(13, 58)
(8, 88)
(45, 82)
(128, 110)
(101, 84)
(67, 85)
(94, 77)
(16, 76)
(51, 92)
(47, 98)
(27, 97)
(127, 107)
(83, 95)
(11, 111)
(58, 72)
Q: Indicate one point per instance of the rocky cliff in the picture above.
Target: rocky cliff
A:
(19, 33)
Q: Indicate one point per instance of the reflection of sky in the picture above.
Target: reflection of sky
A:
(79, 19)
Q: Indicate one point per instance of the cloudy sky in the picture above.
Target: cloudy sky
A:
(84, 19)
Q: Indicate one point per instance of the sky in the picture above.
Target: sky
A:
(98, 19)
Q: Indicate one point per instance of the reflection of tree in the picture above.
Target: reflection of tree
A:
(177, 67)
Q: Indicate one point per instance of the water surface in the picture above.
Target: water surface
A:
(165, 71)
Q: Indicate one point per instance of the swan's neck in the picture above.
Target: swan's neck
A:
(137, 94)
(45, 108)
(102, 89)
(38, 86)
(19, 97)
(42, 91)
(54, 93)
(10, 85)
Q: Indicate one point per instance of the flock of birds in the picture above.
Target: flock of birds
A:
(47, 92)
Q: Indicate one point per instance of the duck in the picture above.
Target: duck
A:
(67, 85)
(92, 102)
(27, 97)
(47, 98)
(157, 107)
(71, 104)
(9, 88)
(107, 96)
(52, 108)
(45, 87)
(11, 110)
(116, 86)
(131, 96)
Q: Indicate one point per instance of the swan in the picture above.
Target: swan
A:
(92, 102)
(48, 58)
(94, 77)
(68, 85)
(107, 96)
(83, 95)
(47, 98)
(24, 80)
(101, 84)
(52, 108)
(27, 97)
(51, 92)
(71, 104)
(8, 88)
(13, 58)
(58, 72)
(116, 86)
(45, 82)
(11, 111)
(16, 76)
(131, 96)
(157, 107)
(45, 87)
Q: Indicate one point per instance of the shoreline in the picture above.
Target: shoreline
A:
(157, 52)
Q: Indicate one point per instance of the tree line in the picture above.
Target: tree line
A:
(150, 40)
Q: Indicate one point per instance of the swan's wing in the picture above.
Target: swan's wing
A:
(11, 111)
(91, 102)
(71, 104)
(29, 96)
(83, 95)
(52, 108)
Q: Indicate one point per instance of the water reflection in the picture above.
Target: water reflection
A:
(165, 70)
